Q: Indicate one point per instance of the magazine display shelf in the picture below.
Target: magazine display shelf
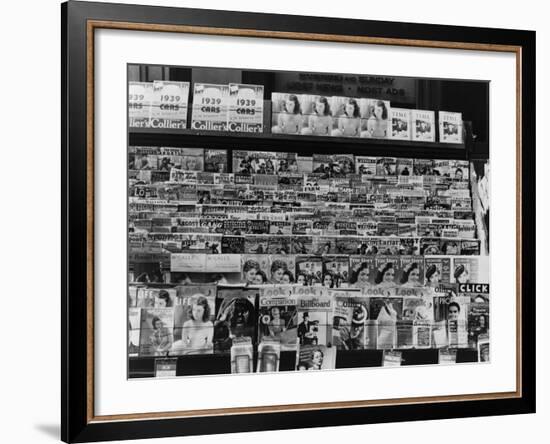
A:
(303, 144)
(212, 364)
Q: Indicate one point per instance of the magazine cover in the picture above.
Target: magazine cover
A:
(458, 334)
(405, 167)
(411, 271)
(317, 115)
(286, 114)
(441, 167)
(269, 352)
(181, 176)
(362, 271)
(242, 355)
(156, 297)
(315, 318)
(450, 127)
(233, 244)
(454, 309)
(346, 117)
(255, 268)
(328, 244)
(404, 334)
(470, 247)
(140, 95)
(280, 227)
(282, 269)
(386, 311)
(200, 243)
(256, 243)
(423, 167)
(235, 227)
(387, 268)
(333, 165)
(309, 268)
(194, 323)
(141, 160)
(224, 268)
(386, 166)
(335, 271)
(315, 357)
(376, 120)
(305, 164)
(188, 159)
(277, 317)
(215, 161)
(423, 125)
(287, 163)
(459, 170)
(478, 322)
(422, 334)
(470, 269)
(430, 246)
(400, 124)
(302, 244)
(257, 226)
(156, 336)
(365, 165)
(466, 228)
(342, 245)
(278, 244)
(169, 103)
(255, 162)
(437, 270)
(210, 107)
(417, 306)
(235, 317)
(349, 324)
(246, 108)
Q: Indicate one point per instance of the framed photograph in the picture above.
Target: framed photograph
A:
(261, 213)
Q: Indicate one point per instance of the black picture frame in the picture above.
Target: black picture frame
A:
(78, 423)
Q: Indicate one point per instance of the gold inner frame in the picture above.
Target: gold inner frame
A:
(92, 25)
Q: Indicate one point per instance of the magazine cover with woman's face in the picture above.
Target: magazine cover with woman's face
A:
(315, 357)
(375, 118)
(255, 268)
(318, 115)
(346, 117)
(287, 116)
(156, 336)
(194, 324)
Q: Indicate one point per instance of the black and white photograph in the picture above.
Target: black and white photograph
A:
(381, 243)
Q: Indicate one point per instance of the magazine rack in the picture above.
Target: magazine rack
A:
(471, 149)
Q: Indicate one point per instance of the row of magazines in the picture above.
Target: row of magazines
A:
(328, 271)
(216, 249)
(237, 107)
(315, 323)
(272, 163)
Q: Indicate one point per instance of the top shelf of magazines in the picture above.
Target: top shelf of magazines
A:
(163, 111)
